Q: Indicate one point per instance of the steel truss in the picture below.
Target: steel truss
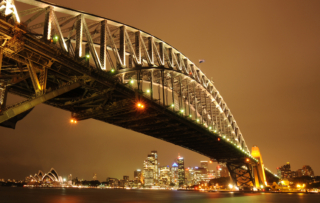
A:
(241, 174)
(116, 66)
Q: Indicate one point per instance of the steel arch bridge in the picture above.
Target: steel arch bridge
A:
(106, 70)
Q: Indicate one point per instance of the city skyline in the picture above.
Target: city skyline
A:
(264, 76)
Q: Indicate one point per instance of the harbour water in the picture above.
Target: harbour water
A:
(72, 195)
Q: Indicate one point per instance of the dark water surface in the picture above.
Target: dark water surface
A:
(70, 195)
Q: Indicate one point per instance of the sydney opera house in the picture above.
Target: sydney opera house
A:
(40, 178)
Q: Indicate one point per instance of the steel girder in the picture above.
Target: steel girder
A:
(161, 75)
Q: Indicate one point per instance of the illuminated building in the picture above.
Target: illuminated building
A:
(284, 171)
(137, 174)
(151, 163)
(200, 174)
(189, 176)
(181, 174)
(174, 173)
(46, 178)
(95, 177)
(148, 177)
(164, 177)
(155, 164)
(126, 178)
(222, 171)
(211, 174)
(307, 171)
(112, 182)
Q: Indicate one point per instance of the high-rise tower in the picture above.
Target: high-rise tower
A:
(181, 172)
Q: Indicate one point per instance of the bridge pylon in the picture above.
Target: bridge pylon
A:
(241, 173)
(258, 169)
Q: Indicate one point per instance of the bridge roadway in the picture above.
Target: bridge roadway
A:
(159, 92)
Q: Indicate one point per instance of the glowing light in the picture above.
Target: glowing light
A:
(198, 120)
(261, 186)
(71, 120)
(181, 110)
(88, 56)
(230, 186)
(148, 91)
(210, 161)
(112, 70)
(172, 105)
(218, 138)
(190, 115)
(210, 127)
(75, 121)
(131, 81)
(247, 159)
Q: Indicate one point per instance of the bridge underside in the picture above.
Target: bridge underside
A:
(42, 70)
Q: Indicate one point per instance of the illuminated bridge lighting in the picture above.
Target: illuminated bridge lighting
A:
(73, 121)
(140, 105)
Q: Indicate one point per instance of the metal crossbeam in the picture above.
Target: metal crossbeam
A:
(15, 110)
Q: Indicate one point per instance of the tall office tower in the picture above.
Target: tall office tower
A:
(204, 164)
(137, 175)
(164, 177)
(181, 173)
(174, 174)
(155, 164)
(95, 177)
(152, 163)
(148, 177)
(126, 178)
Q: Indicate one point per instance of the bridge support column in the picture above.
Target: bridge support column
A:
(258, 169)
(241, 174)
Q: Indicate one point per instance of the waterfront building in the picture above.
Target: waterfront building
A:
(49, 178)
(148, 177)
(112, 182)
(138, 178)
(211, 174)
(284, 171)
(222, 171)
(126, 178)
(174, 174)
(181, 172)
(307, 171)
(151, 163)
(164, 177)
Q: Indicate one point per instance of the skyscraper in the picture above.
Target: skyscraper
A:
(155, 165)
(151, 165)
(174, 174)
(181, 172)
(137, 175)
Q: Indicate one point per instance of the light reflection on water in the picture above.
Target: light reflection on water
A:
(70, 195)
